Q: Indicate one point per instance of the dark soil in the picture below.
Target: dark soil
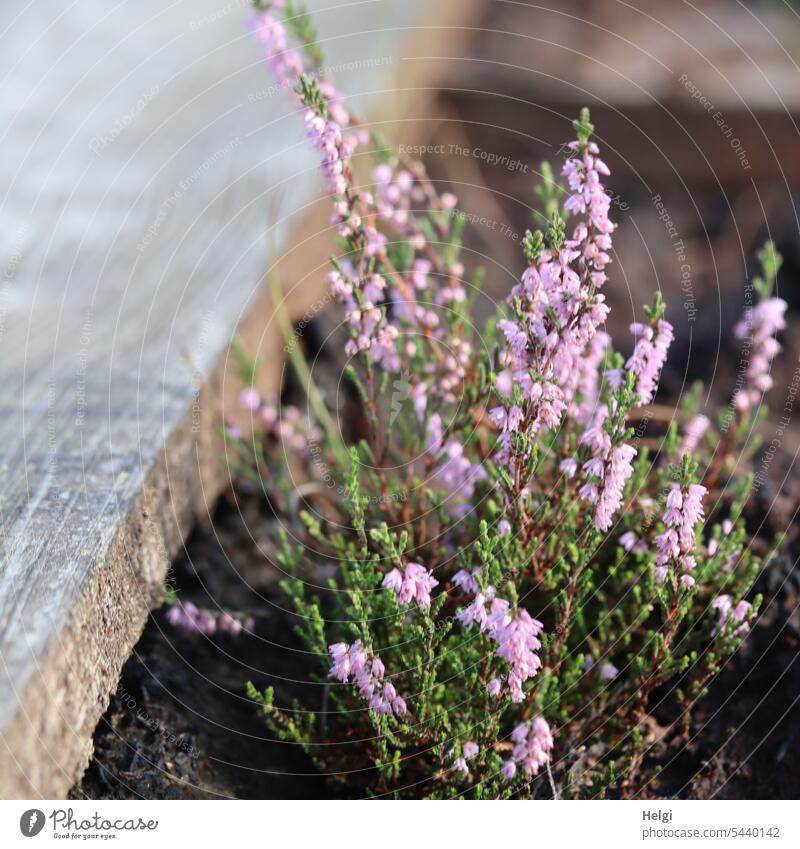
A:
(745, 735)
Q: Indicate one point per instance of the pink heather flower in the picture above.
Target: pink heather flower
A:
(694, 432)
(326, 137)
(269, 414)
(504, 527)
(285, 63)
(693, 504)
(609, 469)
(476, 611)
(517, 638)
(608, 672)
(229, 624)
(466, 580)
(469, 750)
(728, 565)
(340, 656)
(676, 544)
(760, 325)
(455, 474)
(508, 770)
(188, 617)
(504, 383)
(595, 435)
(687, 581)
(649, 355)
(415, 583)
(631, 543)
(433, 439)
(585, 379)
(250, 399)
(460, 765)
(448, 200)
(533, 743)
(515, 335)
(551, 345)
(393, 580)
(569, 467)
(730, 614)
(357, 664)
(613, 470)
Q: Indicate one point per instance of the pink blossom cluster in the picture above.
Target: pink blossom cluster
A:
(559, 310)
(760, 326)
(401, 199)
(356, 663)
(395, 196)
(326, 130)
(371, 331)
(533, 742)
(468, 752)
(648, 357)
(630, 542)
(335, 152)
(449, 379)
(454, 473)
(397, 201)
(414, 583)
(467, 581)
(189, 617)
(695, 430)
(608, 469)
(676, 544)
(712, 547)
(516, 633)
(285, 62)
(730, 613)
(287, 424)
(607, 670)
(585, 389)
(583, 171)
(457, 475)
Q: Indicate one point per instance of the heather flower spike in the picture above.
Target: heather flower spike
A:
(511, 573)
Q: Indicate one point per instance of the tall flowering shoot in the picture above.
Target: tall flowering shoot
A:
(515, 572)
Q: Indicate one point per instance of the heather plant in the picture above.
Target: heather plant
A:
(521, 583)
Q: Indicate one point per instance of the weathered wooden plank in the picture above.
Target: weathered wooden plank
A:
(142, 148)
